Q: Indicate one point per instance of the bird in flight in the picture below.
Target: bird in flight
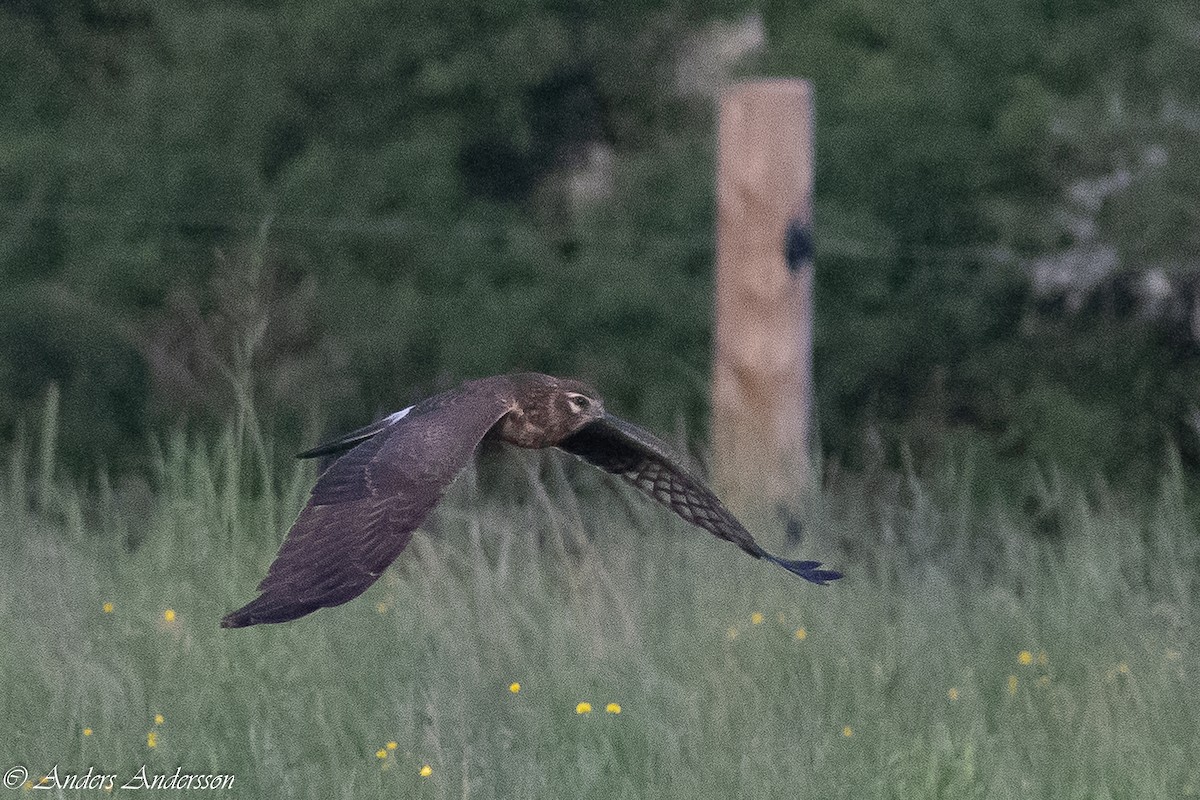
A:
(379, 483)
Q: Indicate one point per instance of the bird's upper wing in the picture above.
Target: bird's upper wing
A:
(624, 449)
(331, 451)
(367, 503)
(645, 461)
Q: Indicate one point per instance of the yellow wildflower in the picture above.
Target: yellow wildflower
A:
(426, 771)
(514, 687)
(381, 608)
(1123, 668)
(108, 607)
(583, 708)
(1025, 657)
(756, 618)
(158, 719)
(169, 615)
(152, 740)
(952, 693)
(381, 753)
(801, 634)
(847, 731)
(391, 745)
(732, 633)
(613, 708)
(87, 731)
(1012, 684)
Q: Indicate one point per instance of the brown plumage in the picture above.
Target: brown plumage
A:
(378, 483)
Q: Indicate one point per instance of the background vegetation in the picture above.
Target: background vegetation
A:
(335, 207)
(962, 656)
(226, 227)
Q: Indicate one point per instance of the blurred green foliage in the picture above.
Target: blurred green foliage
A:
(331, 208)
(973, 147)
(403, 166)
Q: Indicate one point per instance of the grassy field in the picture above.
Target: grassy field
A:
(961, 656)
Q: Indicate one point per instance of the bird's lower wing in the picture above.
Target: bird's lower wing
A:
(332, 554)
(366, 505)
(624, 449)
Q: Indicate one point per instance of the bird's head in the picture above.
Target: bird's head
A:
(577, 404)
(549, 409)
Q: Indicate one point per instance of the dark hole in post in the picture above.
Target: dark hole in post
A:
(797, 245)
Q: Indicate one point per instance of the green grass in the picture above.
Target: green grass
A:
(591, 595)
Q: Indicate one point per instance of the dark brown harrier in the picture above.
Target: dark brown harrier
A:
(382, 480)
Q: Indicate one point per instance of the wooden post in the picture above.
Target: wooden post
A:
(762, 373)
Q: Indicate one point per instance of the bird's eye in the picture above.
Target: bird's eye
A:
(579, 402)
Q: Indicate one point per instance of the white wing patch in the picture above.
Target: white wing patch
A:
(399, 415)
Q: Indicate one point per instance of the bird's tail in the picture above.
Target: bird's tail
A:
(809, 570)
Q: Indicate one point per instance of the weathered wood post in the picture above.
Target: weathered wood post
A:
(762, 373)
